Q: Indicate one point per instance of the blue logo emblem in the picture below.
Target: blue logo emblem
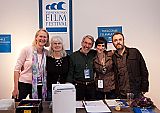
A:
(55, 6)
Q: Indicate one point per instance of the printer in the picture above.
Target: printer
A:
(63, 98)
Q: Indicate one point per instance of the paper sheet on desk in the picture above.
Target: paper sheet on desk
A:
(111, 102)
(96, 107)
(116, 102)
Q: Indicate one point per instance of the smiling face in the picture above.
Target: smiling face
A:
(118, 41)
(41, 39)
(57, 45)
(101, 44)
(86, 44)
(100, 48)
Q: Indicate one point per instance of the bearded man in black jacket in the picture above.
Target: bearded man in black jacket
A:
(130, 69)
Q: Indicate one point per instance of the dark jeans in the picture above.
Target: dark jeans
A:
(105, 95)
(85, 92)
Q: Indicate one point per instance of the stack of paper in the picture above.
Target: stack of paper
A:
(96, 107)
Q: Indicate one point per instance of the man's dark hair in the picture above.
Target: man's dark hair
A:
(117, 33)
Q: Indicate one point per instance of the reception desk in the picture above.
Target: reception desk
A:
(46, 109)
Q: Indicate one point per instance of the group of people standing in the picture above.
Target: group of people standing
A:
(96, 73)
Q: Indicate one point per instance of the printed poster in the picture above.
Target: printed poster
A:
(107, 32)
(5, 43)
(56, 17)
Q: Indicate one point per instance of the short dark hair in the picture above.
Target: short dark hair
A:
(101, 40)
(117, 33)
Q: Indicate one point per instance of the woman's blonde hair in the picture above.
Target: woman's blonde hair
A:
(37, 33)
(53, 39)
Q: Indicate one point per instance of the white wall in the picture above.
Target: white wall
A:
(141, 27)
(139, 18)
(20, 19)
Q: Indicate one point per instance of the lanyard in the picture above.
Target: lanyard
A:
(85, 59)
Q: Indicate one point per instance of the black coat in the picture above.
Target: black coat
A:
(137, 71)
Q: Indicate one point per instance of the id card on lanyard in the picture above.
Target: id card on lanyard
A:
(86, 73)
(100, 83)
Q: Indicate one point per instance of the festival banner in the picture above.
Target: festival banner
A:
(56, 17)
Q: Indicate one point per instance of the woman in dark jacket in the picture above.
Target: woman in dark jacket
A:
(103, 67)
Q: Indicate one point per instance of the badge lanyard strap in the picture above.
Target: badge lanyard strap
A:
(85, 59)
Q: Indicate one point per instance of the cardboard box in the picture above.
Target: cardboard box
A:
(29, 106)
(7, 106)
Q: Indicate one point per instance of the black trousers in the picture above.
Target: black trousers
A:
(85, 92)
(25, 89)
(39, 88)
(105, 95)
(136, 95)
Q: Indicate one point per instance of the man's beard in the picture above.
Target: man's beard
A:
(119, 48)
(85, 50)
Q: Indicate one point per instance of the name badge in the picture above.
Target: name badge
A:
(86, 73)
(100, 83)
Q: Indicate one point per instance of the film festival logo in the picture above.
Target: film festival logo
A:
(55, 6)
(56, 15)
